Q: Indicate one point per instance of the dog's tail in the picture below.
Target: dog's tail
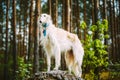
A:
(78, 53)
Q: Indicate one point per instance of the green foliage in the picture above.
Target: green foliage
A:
(83, 25)
(8, 65)
(93, 28)
(95, 50)
(115, 71)
(23, 72)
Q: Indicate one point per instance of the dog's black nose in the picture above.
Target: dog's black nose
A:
(40, 21)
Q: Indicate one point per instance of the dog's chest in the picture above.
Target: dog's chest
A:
(45, 42)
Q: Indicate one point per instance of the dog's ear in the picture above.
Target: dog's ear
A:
(49, 17)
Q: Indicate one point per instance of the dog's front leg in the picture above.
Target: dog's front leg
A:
(48, 62)
(57, 58)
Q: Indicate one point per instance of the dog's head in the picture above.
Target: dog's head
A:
(44, 19)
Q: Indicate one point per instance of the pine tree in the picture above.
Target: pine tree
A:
(6, 47)
(14, 40)
(36, 38)
(30, 32)
(67, 15)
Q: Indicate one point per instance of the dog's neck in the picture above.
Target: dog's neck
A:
(45, 25)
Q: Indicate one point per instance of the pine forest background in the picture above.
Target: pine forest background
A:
(20, 52)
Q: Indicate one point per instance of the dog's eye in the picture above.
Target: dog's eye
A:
(44, 15)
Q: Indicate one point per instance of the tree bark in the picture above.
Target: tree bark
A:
(54, 11)
(36, 38)
(104, 9)
(6, 47)
(14, 40)
(49, 7)
(67, 15)
(93, 14)
(119, 29)
(85, 30)
(96, 7)
(63, 67)
(96, 35)
(63, 14)
(114, 26)
(112, 31)
(78, 18)
(30, 32)
(105, 17)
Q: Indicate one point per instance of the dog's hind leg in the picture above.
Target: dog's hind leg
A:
(69, 60)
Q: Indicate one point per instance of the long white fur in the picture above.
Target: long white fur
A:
(57, 41)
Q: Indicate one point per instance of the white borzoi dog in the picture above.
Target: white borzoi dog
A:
(56, 41)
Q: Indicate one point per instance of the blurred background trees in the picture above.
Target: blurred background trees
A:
(19, 32)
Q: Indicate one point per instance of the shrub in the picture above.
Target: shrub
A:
(23, 71)
(96, 55)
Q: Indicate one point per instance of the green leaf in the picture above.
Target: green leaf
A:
(106, 36)
(105, 23)
(93, 28)
(83, 25)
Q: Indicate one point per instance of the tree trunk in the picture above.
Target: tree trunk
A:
(114, 26)
(112, 31)
(20, 29)
(104, 9)
(119, 29)
(36, 38)
(55, 13)
(63, 67)
(71, 27)
(117, 32)
(30, 32)
(25, 35)
(105, 17)
(85, 30)
(93, 14)
(78, 18)
(67, 15)
(96, 35)
(49, 7)
(6, 47)
(96, 6)
(74, 16)
(63, 14)
(14, 40)
(20, 43)
(23, 42)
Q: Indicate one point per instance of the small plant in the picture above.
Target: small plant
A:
(23, 72)
(96, 55)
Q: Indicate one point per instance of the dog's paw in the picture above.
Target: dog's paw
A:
(48, 70)
(55, 69)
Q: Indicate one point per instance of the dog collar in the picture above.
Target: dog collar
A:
(44, 32)
(45, 25)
